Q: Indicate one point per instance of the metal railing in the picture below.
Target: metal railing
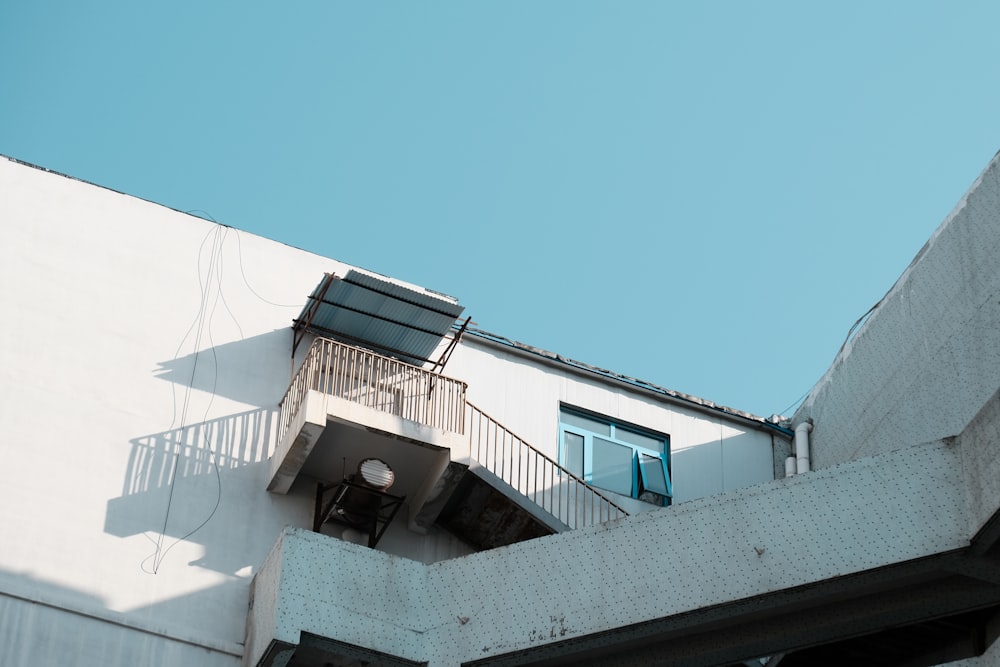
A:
(398, 388)
(533, 474)
(377, 382)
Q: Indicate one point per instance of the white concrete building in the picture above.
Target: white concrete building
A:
(187, 409)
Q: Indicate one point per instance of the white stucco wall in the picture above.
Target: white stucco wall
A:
(708, 454)
(113, 306)
(928, 358)
(125, 321)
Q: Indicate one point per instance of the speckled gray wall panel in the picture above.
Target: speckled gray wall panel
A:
(853, 517)
(348, 592)
(980, 444)
(711, 551)
(928, 358)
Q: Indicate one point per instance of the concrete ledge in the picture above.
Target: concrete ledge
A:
(300, 438)
(331, 588)
(980, 445)
(742, 554)
(311, 420)
(349, 412)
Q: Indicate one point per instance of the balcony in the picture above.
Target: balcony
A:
(456, 466)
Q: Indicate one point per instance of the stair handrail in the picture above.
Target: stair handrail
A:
(535, 475)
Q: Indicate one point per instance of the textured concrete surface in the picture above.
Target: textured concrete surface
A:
(980, 444)
(928, 357)
(789, 535)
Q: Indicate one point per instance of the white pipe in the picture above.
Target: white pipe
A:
(789, 466)
(802, 446)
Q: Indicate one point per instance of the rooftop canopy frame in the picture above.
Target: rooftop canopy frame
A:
(387, 317)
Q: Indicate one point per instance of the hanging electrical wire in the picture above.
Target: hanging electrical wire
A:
(201, 326)
(857, 323)
(843, 346)
(219, 296)
(203, 318)
(239, 246)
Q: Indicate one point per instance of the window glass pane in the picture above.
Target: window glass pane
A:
(653, 478)
(586, 423)
(644, 441)
(573, 453)
(612, 466)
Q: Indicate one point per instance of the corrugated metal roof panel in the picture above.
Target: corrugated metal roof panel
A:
(389, 317)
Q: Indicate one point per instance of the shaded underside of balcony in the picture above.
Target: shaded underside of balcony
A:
(481, 514)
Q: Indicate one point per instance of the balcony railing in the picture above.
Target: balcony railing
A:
(549, 485)
(398, 388)
(377, 382)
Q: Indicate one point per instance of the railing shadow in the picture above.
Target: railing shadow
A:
(272, 348)
(177, 481)
(226, 443)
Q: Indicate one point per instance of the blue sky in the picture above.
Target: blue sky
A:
(704, 195)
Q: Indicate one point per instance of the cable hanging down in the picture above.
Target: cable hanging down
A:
(201, 325)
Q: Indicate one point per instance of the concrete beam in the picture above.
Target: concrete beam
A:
(317, 409)
(302, 435)
(757, 558)
(981, 466)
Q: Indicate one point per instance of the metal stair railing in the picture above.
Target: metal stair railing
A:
(536, 476)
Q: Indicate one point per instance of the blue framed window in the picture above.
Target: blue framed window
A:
(615, 456)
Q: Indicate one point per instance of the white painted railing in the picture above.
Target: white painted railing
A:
(533, 474)
(378, 382)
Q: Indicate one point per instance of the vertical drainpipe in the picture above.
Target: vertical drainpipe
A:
(801, 447)
(789, 466)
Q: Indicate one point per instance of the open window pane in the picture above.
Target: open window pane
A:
(617, 457)
(611, 466)
(573, 453)
(653, 478)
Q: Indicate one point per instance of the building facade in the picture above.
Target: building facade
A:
(222, 450)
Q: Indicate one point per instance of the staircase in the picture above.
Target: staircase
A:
(505, 492)
(512, 492)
